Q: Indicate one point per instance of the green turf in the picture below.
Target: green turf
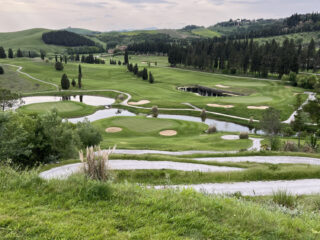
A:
(143, 133)
(164, 91)
(66, 109)
(31, 208)
(204, 32)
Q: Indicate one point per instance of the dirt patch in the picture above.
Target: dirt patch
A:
(113, 129)
(141, 102)
(168, 133)
(222, 86)
(230, 137)
(258, 107)
(220, 106)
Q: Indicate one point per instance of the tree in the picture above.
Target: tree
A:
(203, 115)
(65, 59)
(56, 58)
(145, 74)
(1, 70)
(119, 62)
(73, 82)
(2, 53)
(77, 57)
(9, 99)
(270, 122)
(65, 83)
(19, 53)
(59, 66)
(298, 124)
(151, 79)
(79, 76)
(135, 69)
(61, 58)
(10, 53)
(126, 57)
(89, 135)
(42, 54)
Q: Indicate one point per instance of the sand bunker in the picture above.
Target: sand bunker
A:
(258, 107)
(141, 102)
(144, 62)
(230, 137)
(113, 129)
(222, 86)
(220, 106)
(168, 133)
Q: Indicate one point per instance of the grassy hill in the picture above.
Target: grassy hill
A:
(81, 31)
(28, 40)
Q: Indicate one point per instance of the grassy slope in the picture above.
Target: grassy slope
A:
(143, 133)
(66, 109)
(31, 208)
(19, 83)
(204, 32)
(28, 40)
(271, 93)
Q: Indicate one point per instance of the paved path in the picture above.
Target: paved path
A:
(265, 159)
(178, 153)
(67, 170)
(257, 188)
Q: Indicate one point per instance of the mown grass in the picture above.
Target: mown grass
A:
(270, 93)
(143, 133)
(66, 109)
(31, 208)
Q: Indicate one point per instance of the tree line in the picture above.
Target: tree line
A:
(20, 53)
(65, 38)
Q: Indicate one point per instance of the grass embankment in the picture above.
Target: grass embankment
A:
(97, 77)
(31, 208)
(66, 109)
(143, 133)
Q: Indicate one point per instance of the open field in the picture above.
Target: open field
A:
(66, 109)
(143, 133)
(95, 77)
(205, 32)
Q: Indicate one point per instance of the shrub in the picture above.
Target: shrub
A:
(120, 97)
(1, 70)
(283, 198)
(244, 135)
(73, 83)
(290, 147)
(89, 135)
(275, 143)
(307, 149)
(203, 115)
(96, 163)
(287, 131)
(59, 66)
(155, 111)
(212, 129)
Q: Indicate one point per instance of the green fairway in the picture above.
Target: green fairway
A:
(66, 109)
(143, 133)
(164, 91)
(205, 32)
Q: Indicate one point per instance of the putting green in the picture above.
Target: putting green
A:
(66, 109)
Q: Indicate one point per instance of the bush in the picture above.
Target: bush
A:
(59, 66)
(244, 135)
(287, 131)
(1, 70)
(203, 115)
(155, 111)
(89, 135)
(290, 147)
(212, 129)
(65, 83)
(283, 198)
(275, 143)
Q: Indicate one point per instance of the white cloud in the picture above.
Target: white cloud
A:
(106, 15)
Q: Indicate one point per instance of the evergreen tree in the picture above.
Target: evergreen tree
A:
(151, 79)
(311, 54)
(126, 57)
(2, 53)
(29, 54)
(80, 77)
(65, 83)
(83, 59)
(65, 59)
(73, 83)
(42, 54)
(77, 57)
(1, 70)
(119, 62)
(135, 69)
(56, 57)
(61, 59)
(145, 74)
(58, 66)
(19, 53)
(10, 53)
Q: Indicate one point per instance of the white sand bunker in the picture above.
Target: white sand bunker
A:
(168, 133)
(230, 137)
(258, 107)
(219, 106)
(222, 86)
(141, 102)
(113, 129)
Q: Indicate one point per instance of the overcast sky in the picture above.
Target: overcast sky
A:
(106, 15)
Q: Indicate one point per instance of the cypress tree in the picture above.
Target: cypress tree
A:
(29, 54)
(145, 74)
(2, 53)
(83, 59)
(65, 83)
(56, 57)
(135, 69)
(65, 59)
(1, 70)
(61, 58)
(77, 57)
(73, 83)
(42, 54)
(151, 79)
(19, 53)
(10, 53)
(126, 57)
(79, 76)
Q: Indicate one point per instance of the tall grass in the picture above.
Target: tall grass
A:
(284, 198)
